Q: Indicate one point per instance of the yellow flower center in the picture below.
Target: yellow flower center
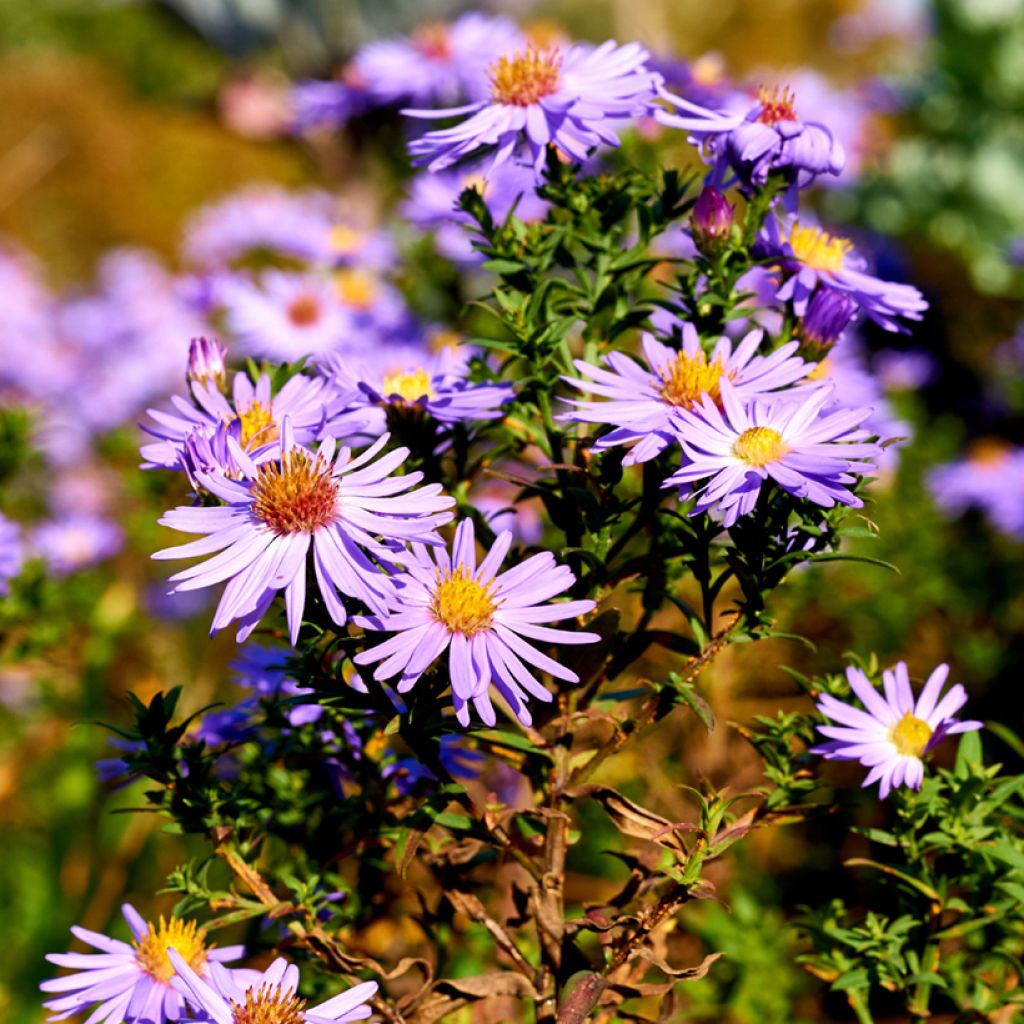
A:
(295, 496)
(776, 105)
(269, 1005)
(821, 371)
(818, 249)
(258, 425)
(910, 736)
(689, 377)
(988, 453)
(355, 288)
(344, 239)
(184, 936)
(462, 604)
(758, 446)
(304, 311)
(409, 385)
(525, 78)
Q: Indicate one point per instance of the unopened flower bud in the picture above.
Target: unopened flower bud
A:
(711, 221)
(206, 362)
(828, 314)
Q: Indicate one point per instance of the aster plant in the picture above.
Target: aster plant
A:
(435, 709)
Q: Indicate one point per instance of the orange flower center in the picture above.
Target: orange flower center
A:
(184, 936)
(295, 496)
(818, 249)
(689, 377)
(269, 1005)
(525, 78)
(776, 105)
(462, 604)
(304, 311)
(432, 40)
(758, 446)
(988, 452)
(910, 736)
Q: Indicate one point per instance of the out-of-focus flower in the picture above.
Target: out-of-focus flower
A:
(904, 370)
(286, 316)
(438, 64)
(482, 619)
(227, 997)
(737, 449)
(259, 220)
(542, 97)
(433, 204)
(711, 221)
(256, 104)
(408, 381)
(893, 734)
(253, 410)
(991, 478)
(75, 542)
(810, 257)
(263, 670)
(643, 399)
(770, 138)
(347, 509)
(132, 983)
(11, 553)
(206, 362)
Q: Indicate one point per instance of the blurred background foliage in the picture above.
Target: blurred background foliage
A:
(118, 122)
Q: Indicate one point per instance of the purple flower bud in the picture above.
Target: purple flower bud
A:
(828, 314)
(711, 221)
(206, 361)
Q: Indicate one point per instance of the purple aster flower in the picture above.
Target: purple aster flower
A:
(132, 983)
(259, 220)
(810, 258)
(11, 553)
(644, 398)
(264, 671)
(542, 97)
(989, 477)
(253, 411)
(349, 510)
(438, 63)
(811, 455)
(285, 316)
(269, 996)
(451, 604)
(409, 381)
(75, 542)
(770, 138)
(893, 734)
(904, 369)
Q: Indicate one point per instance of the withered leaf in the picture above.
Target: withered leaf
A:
(633, 820)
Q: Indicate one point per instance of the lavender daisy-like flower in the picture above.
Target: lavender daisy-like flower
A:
(482, 618)
(736, 449)
(132, 982)
(894, 733)
(990, 477)
(771, 137)
(269, 998)
(75, 542)
(285, 316)
(257, 414)
(810, 257)
(408, 381)
(643, 399)
(348, 510)
(542, 97)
